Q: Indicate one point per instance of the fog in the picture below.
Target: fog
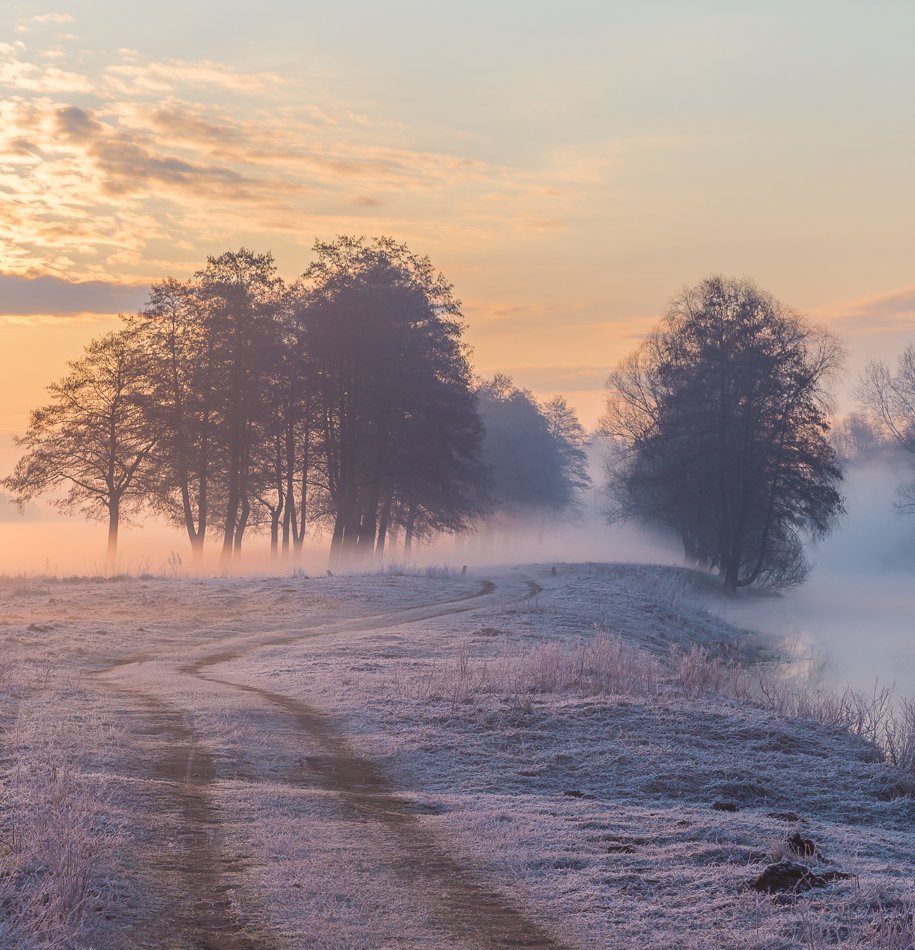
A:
(854, 620)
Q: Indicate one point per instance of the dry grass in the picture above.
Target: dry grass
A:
(608, 664)
(58, 841)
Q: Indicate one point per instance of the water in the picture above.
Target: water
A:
(845, 630)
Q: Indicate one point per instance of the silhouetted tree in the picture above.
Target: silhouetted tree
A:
(243, 299)
(93, 437)
(571, 441)
(399, 430)
(723, 419)
(535, 453)
(286, 470)
(175, 332)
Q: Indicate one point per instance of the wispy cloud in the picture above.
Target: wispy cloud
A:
(138, 168)
(53, 18)
(880, 313)
(131, 78)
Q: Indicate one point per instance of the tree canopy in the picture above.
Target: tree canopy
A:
(93, 437)
(722, 419)
(535, 452)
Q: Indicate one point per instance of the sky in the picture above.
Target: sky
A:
(570, 167)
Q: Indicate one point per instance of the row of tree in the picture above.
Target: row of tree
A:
(343, 402)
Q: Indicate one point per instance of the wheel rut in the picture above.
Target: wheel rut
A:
(466, 909)
(193, 870)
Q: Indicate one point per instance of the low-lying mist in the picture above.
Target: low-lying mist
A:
(854, 620)
(851, 623)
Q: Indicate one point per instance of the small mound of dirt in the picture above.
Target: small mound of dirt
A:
(725, 806)
(793, 876)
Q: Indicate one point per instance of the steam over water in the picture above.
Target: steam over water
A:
(854, 620)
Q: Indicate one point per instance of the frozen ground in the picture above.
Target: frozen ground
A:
(505, 759)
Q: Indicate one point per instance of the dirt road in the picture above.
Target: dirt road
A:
(196, 867)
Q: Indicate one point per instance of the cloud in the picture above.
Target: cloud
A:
(20, 76)
(881, 313)
(123, 170)
(23, 296)
(127, 164)
(170, 75)
(53, 18)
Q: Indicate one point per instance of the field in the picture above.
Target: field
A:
(591, 759)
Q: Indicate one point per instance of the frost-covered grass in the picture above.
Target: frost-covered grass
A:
(59, 829)
(578, 765)
(566, 739)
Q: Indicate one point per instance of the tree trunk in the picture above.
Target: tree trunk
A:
(732, 573)
(336, 542)
(383, 530)
(197, 553)
(408, 533)
(240, 528)
(114, 518)
(275, 535)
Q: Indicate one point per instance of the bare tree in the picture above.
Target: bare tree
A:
(93, 438)
(889, 398)
(174, 332)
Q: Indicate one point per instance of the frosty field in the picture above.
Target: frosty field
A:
(421, 759)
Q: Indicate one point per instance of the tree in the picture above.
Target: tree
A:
(243, 298)
(571, 440)
(400, 435)
(535, 453)
(93, 437)
(284, 467)
(889, 399)
(175, 333)
(722, 418)
(857, 438)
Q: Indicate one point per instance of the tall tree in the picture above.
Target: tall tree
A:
(243, 298)
(176, 333)
(93, 438)
(724, 416)
(284, 469)
(571, 441)
(392, 382)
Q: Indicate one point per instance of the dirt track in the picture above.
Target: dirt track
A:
(197, 869)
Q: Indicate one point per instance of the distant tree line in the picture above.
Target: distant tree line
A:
(344, 402)
(887, 396)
